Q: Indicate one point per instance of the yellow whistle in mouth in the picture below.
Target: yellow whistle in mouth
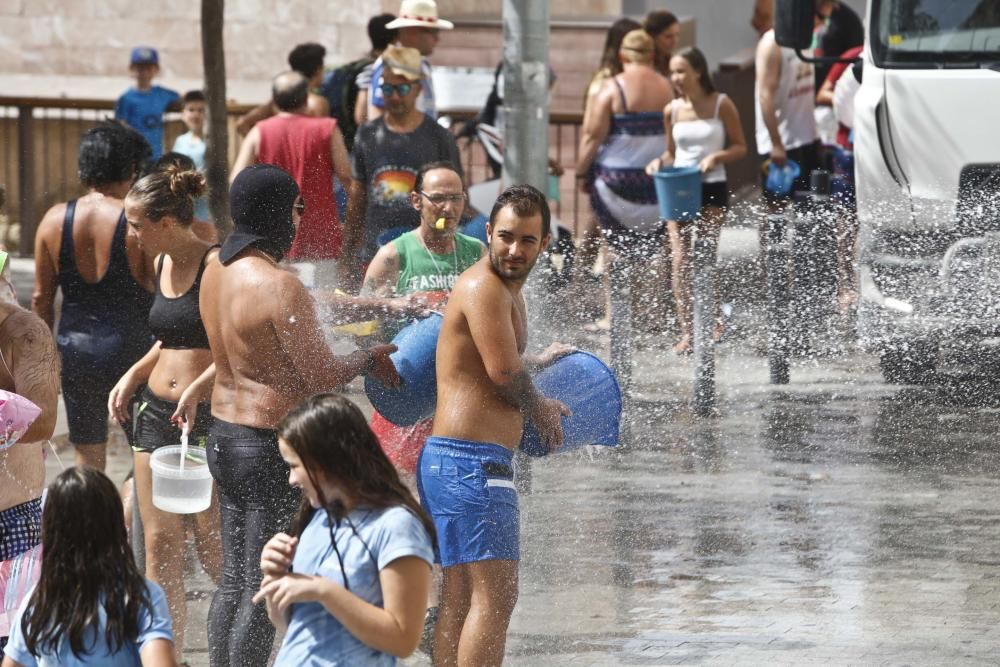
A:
(439, 224)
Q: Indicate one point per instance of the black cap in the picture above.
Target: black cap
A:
(260, 200)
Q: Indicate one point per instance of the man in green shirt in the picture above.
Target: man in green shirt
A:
(422, 264)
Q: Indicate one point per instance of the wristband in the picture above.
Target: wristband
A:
(370, 363)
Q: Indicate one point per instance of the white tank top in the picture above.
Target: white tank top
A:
(794, 102)
(694, 140)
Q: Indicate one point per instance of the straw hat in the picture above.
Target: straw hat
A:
(419, 14)
(404, 62)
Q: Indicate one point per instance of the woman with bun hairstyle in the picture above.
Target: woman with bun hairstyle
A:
(703, 130)
(349, 584)
(160, 213)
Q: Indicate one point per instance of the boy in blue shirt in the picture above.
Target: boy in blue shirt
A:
(192, 142)
(142, 106)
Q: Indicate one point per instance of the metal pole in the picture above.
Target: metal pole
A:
(620, 276)
(703, 324)
(777, 299)
(525, 92)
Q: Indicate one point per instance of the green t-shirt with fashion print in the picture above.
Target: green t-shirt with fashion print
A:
(421, 271)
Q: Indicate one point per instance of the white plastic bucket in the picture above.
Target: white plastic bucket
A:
(179, 491)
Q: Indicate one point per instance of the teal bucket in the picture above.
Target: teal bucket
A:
(678, 191)
(589, 388)
(417, 395)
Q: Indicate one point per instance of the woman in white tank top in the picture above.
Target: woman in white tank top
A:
(703, 130)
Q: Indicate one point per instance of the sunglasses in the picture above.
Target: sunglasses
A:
(401, 89)
(300, 206)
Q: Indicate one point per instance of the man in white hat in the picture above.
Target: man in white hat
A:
(418, 25)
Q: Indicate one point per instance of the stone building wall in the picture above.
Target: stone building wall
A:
(80, 48)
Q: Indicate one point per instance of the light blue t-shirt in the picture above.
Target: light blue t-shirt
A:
(314, 636)
(155, 625)
(425, 102)
(194, 148)
(143, 110)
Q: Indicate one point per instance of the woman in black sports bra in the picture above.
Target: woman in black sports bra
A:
(160, 210)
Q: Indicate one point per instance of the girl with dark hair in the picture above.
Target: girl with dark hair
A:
(703, 130)
(350, 584)
(169, 388)
(665, 30)
(82, 248)
(91, 605)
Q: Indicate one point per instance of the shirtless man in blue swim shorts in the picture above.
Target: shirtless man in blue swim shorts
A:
(485, 394)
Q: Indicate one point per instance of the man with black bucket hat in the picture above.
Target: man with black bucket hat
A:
(269, 354)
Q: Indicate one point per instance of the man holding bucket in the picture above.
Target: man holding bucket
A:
(485, 395)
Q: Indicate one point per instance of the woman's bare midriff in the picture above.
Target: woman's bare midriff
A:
(175, 370)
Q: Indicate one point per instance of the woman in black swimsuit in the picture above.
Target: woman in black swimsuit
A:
(160, 212)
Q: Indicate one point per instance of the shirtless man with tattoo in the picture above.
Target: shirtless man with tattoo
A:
(29, 366)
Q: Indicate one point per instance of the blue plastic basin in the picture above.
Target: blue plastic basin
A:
(416, 397)
(589, 388)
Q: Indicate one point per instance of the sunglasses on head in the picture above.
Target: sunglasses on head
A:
(402, 89)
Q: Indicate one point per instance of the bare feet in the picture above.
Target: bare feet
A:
(846, 299)
(683, 346)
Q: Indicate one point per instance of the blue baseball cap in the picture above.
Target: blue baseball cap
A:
(144, 55)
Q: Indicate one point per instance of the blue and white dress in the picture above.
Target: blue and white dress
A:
(624, 199)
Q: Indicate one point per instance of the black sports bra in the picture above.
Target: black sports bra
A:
(176, 322)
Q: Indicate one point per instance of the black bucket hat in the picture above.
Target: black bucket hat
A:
(261, 200)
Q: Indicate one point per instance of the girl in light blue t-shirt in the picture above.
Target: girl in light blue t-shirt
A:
(350, 587)
(91, 605)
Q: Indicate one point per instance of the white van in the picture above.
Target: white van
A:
(927, 166)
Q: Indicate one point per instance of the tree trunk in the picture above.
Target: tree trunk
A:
(217, 139)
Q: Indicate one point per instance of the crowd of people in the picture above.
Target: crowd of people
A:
(346, 201)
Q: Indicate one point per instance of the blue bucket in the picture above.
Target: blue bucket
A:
(416, 397)
(678, 190)
(476, 228)
(390, 235)
(780, 180)
(589, 388)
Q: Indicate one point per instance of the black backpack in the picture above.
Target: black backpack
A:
(341, 91)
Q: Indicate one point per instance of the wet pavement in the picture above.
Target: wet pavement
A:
(836, 520)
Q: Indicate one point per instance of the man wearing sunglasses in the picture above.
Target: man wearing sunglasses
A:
(418, 28)
(388, 153)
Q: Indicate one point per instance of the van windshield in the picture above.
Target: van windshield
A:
(936, 32)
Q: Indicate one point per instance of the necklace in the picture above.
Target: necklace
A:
(437, 267)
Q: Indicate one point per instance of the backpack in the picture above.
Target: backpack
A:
(341, 91)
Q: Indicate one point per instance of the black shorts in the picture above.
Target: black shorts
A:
(151, 426)
(807, 157)
(86, 400)
(715, 194)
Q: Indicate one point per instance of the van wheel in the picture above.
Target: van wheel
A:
(914, 365)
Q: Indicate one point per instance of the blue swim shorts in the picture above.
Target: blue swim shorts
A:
(468, 489)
